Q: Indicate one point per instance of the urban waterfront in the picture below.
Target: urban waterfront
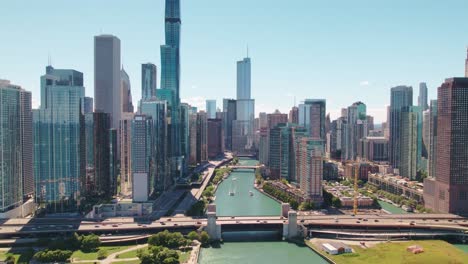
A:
(242, 203)
(268, 248)
(390, 208)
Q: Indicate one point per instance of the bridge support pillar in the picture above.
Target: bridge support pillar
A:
(290, 229)
(213, 229)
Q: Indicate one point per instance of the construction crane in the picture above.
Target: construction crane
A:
(355, 206)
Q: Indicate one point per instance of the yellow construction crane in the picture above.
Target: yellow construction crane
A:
(355, 206)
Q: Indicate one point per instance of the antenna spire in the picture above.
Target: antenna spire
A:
(247, 50)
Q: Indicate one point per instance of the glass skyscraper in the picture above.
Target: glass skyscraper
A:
(59, 145)
(148, 81)
(400, 97)
(15, 155)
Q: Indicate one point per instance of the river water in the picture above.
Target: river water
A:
(251, 247)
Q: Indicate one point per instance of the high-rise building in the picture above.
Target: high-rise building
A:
(448, 192)
(422, 98)
(148, 81)
(126, 153)
(27, 143)
(309, 167)
(356, 129)
(88, 105)
(101, 182)
(126, 88)
(229, 107)
(312, 117)
(113, 161)
(374, 149)
(273, 120)
(243, 126)
(408, 142)
(370, 123)
(107, 86)
(294, 115)
(59, 145)
(202, 137)
(400, 97)
(432, 142)
(193, 138)
(159, 176)
(142, 153)
(15, 146)
(211, 109)
(185, 111)
(244, 79)
(215, 137)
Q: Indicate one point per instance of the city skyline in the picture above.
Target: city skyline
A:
(320, 57)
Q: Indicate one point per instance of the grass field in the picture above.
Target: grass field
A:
(80, 255)
(435, 251)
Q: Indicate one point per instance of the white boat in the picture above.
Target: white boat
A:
(251, 193)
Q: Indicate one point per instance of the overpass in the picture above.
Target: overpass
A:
(373, 226)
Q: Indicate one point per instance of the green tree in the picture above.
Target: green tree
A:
(204, 238)
(102, 254)
(90, 243)
(171, 261)
(336, 202)
(193, 236)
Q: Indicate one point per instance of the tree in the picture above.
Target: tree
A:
(9, 260)
(90, 243)
(306, 206)
(204, 238)
(294, 204)
(102, 254)
(336, 202)
(193, 236)
(171, 261)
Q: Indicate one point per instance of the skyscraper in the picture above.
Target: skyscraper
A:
(15, 146)
(148, 81)
(229, 107)
(448, 192)
(466, 64)
(312, 117)
(422, 98)
(126, 153)
(400, 97)
(159, 175)
(243, 126)
(432, 148)
(214, 137)
(408, 142)
(211, 108)
(356, 129)
(294, 115)
(88, 105)
(202, 137)
(101, 181)
(107, 86)
(309, 167)
(59, 145)
(141, 157)
(126, 88)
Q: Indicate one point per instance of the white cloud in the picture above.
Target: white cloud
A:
(197, 101)
(364, 83)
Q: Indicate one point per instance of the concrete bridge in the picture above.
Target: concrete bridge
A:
(246, 167)
(288, 224)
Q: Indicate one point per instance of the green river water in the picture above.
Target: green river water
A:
(240, 247)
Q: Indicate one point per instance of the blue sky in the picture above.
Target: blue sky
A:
(339, 50)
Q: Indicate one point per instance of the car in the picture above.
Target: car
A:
(358, 222)
(450, 220)
(376, 220)
(115, 225)
(265, 222)
(412, 223)
(437, 220)
(96, 226)
(175, 224)
(232, 217)
(162, 223)
(258, 221)
(302, 220)
(237, 222)
(169, 219)
(144, 226)
(199, 223)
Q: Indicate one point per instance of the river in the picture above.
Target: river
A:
(251, 247)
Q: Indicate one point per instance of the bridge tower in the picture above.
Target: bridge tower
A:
(213, 229)
(290, 228)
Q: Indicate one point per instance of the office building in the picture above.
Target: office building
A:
(88, 105)
(356, 129)
(16, 171)
(100, 184)
(409, 137)
(374, 149)
(126, 153)
(312, 117)
(107, 77)
(59, 145)
(215, 138)
(142, 155)
(126, 88)
(160, 176)
(432, 142)
(211, 109)
(448, 192)
(148, 81)
(229, 108)
(202, 138)
(400, 97)
(422, 98)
